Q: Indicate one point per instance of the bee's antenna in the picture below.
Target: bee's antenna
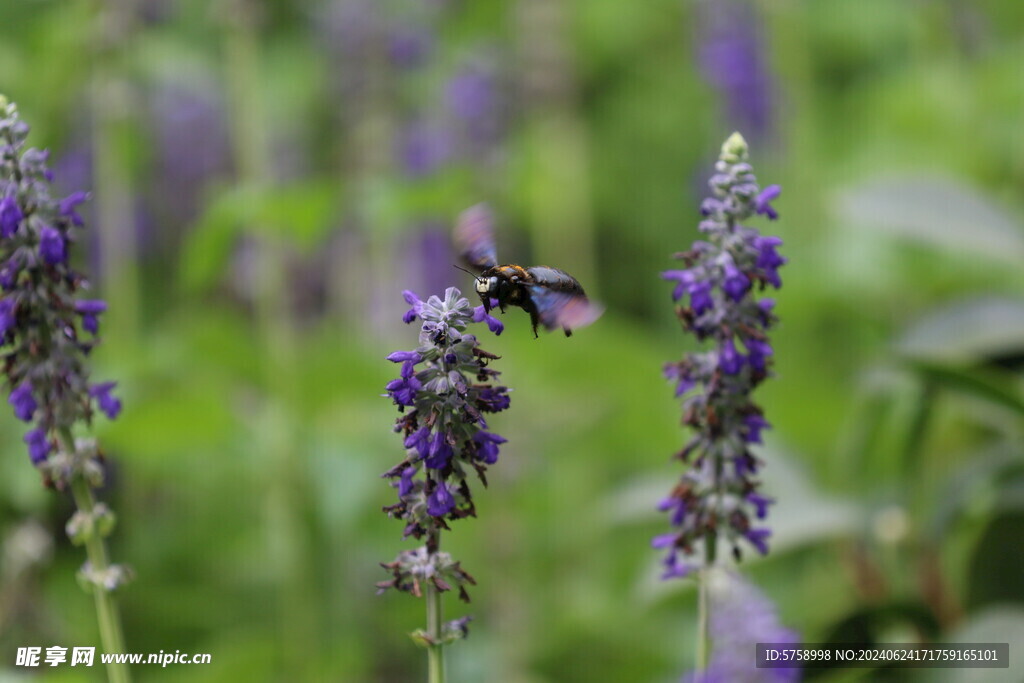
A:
(465, 271)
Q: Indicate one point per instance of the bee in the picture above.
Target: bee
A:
(552, 297)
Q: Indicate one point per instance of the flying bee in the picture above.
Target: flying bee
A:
(552, 297)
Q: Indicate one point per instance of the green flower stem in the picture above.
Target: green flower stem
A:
(703, 616)
(111, 635)
(435, 628)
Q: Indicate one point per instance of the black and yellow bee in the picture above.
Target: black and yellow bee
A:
(551, 296)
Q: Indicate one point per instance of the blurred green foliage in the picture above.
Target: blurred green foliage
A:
(245, 466)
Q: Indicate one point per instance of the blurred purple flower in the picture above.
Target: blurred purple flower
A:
(409, 47)
(474, 100)
(424, 148)
(471, 94)
(732, 59)
(740, 618)
(192, 146)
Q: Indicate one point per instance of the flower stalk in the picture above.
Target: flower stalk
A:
(717, 498)
(443, 406)
(46, 331)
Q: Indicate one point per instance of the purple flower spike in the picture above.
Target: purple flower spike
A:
(51, 245)
(108, 403)
(45, 368)
(717, 384)
(445, 389)
(23, 402)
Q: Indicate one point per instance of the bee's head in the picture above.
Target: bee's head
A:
(486, 285)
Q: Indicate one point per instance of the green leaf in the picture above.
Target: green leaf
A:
(1003, 624)
(995, 574)
(940, 212)
(968, 330)
(298, 215)
(988, 483)
(208, 246)
(301, 213)
(987, 385)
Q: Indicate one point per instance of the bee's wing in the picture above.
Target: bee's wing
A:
(474, 237)
(563, 310)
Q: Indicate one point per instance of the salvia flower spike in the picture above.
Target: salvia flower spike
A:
(47, 330)
(717, 502)
(444, 391)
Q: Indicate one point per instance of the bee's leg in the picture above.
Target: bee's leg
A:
(568, 332)
(534, 319)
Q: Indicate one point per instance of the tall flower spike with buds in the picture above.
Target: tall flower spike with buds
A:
(717, 498)
(444, 391)
(46, 331)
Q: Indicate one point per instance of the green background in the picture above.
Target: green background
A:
(251, 312)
